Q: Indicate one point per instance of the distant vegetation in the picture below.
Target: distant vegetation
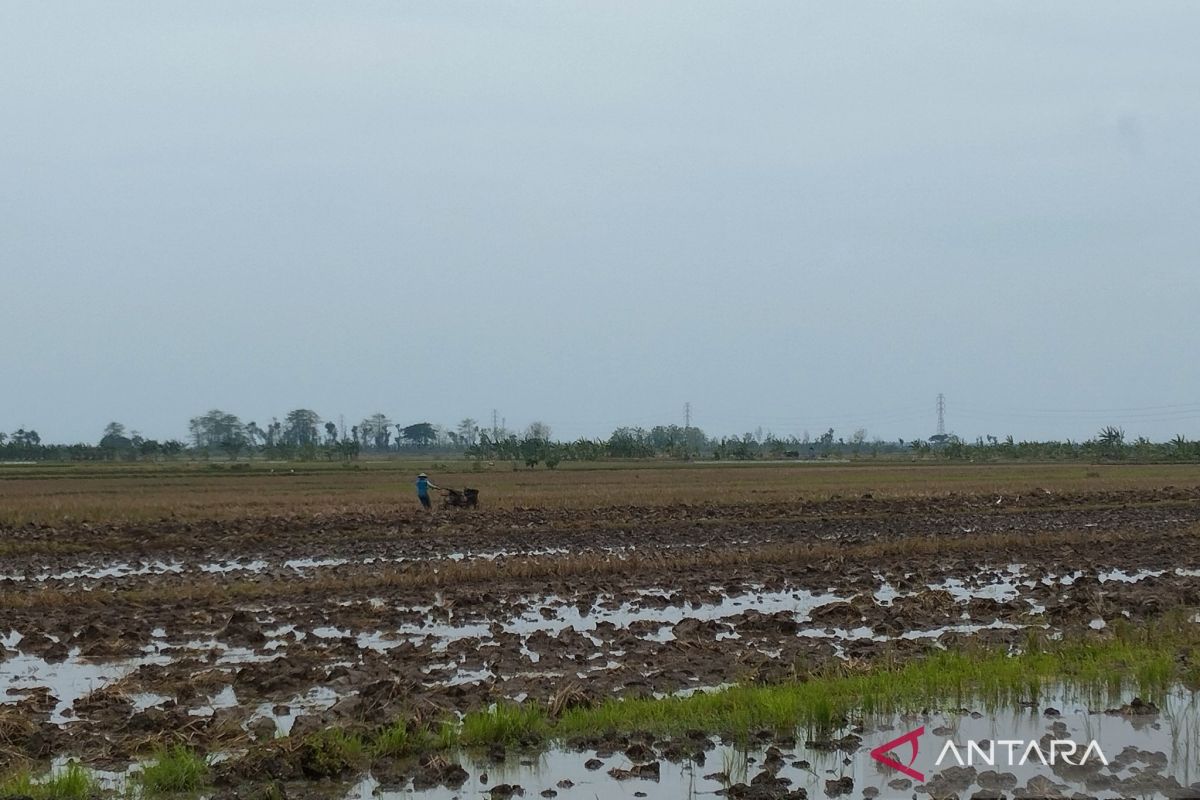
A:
(304, 436)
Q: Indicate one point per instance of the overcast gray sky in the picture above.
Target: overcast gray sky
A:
(792, 215)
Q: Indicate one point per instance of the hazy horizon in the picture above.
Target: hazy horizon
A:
(792, 216)
(1135, 422)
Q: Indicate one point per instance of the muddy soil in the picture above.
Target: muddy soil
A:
(114, 638)
(1143, 761)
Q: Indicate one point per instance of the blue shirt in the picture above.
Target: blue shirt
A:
(422, 487)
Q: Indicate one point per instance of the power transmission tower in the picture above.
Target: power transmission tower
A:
(941, 408)
(495, 427)
(687, 416)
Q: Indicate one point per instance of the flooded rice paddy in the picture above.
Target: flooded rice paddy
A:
(227, 638)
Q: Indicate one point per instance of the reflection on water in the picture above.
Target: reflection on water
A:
(1149, 756)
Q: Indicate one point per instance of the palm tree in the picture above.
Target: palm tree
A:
(1112, 440)
(1180, 443)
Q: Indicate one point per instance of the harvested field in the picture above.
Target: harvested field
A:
(250, 621)
(74, 493)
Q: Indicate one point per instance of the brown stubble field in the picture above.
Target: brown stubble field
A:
(221, 490)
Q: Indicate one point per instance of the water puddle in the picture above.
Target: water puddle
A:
(314, 701)
(86, 571)
(257, 565)
(959, 752)
(122, 570)
(67, 681)
(564, 615)
(1147, 757)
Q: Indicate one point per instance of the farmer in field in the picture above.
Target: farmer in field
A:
(423, 487)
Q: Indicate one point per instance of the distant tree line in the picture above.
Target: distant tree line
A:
(303, 435)
(1109, 444)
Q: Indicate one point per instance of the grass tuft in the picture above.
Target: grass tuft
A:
(332, 753)
(72, 783)
(446, 737)
(174, 770)
(409, 738)
(1132, 658)
(508, 724)
(398, 740)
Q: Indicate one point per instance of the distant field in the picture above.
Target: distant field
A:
(100, 492)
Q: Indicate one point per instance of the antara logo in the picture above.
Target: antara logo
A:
(1060, 751)
(883, 753)
(1010, 752)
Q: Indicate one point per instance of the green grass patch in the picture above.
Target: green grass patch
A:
(394, 741)
(1097, 668)
(508, 724)
(446, 737)
(72, 783)
(1131, 658)
(332, 753)
(406, 738)
(401, 739)
(174, 770)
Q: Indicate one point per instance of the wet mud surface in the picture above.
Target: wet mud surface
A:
(1149, 756)
(114, 638)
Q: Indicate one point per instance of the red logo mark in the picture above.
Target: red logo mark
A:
(883, 755)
